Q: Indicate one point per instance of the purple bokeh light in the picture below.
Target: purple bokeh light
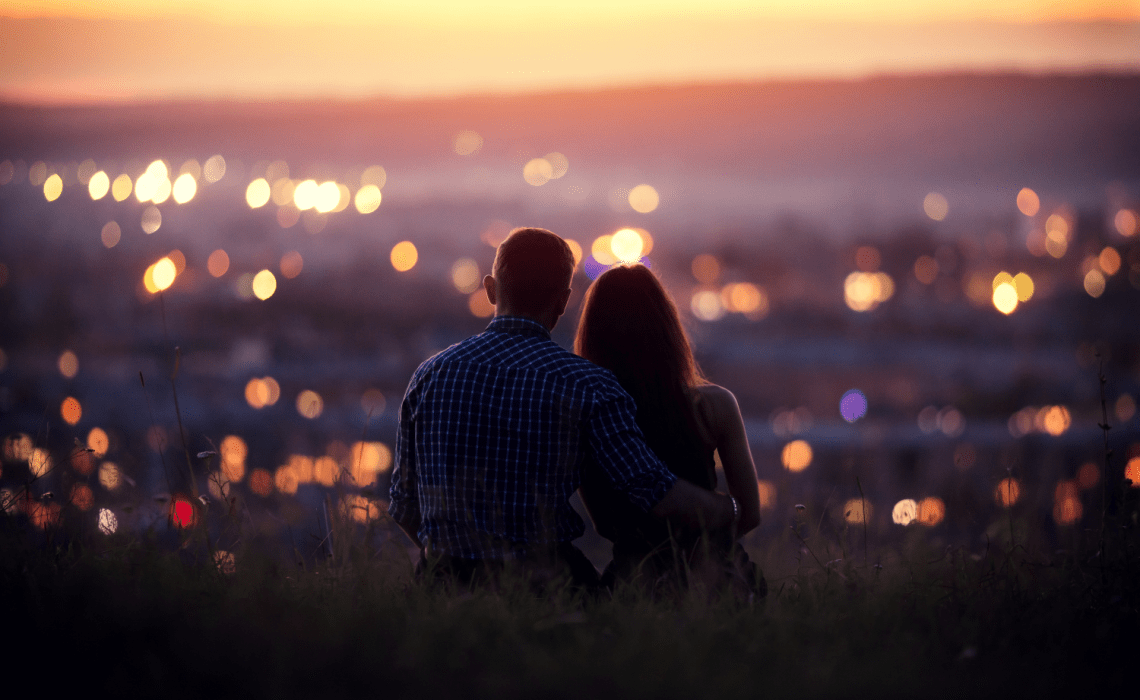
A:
(853, 405)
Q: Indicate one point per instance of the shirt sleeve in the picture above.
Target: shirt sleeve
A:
(404, 506)
(620, 450)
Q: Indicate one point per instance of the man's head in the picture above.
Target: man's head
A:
(531, 276)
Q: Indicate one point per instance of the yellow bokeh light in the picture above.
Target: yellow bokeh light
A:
(1127, 222)
(575, 250)
(1094, 283)
(110, 476)
(1002, 278)
(931, 511)
(368, 199)
(467, 143)
(926, 269)
(305, 194)
(367, 459)
(857, 511)
(936, 206)
(538, 171)
(257, 193)
(796, 455)
(218, 263)
(1005, 298)
(151, 219)
(404, 256)
(192, 168)
(1008, 492)
(602, 250)
(706, 305)
(1028, 202)
(1132, 471)
(465, 275)
(310, 404)
(257, 393)
(98, 442)
(99, 185)
(37, 173)
(766, 490)
(121, 188)
(68, 364)
(344, 197)
(479, 305)
(107, 522)
(1023, 283)
(863, 291)
(291, 264)
(327, 197)
(374, 175)
(162, 274)
(1067, 508)
(905, 512)
(1055, 419)
(71, 410)
(233, 452)
(264, 284)
(285, 479)
(214, 169)
(644, 199)
(559, 164)
(185, 187)
(1109, 260)
(111, 234)
(39, 461)
(282, 191)
(745, 298)
(626, 245)
(325, 471)
(146, 187)
(53, 188)
(706, 268)
(18, 447)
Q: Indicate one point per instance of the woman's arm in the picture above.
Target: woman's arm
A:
(721, 414)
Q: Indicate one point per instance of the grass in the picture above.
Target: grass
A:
(152, 612)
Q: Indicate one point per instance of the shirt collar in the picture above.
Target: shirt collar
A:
(518, 325)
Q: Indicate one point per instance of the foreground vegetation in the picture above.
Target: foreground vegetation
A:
(155, 612)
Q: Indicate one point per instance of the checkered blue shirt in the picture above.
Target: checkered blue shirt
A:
(492, 436)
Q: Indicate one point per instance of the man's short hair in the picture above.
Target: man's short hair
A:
(533, 267)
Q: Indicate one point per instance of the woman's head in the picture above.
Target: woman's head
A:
(631, 327)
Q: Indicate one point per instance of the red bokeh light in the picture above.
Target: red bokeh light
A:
(182, 512)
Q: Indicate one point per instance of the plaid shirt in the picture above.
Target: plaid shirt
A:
(492, 436)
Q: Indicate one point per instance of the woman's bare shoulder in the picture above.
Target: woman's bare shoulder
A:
(716, 406)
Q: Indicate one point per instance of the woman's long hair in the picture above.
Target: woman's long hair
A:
(631, 326)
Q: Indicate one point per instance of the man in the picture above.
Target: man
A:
(493, 433)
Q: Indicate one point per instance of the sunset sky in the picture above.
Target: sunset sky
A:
(90, 50)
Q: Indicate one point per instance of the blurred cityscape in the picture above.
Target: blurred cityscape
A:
(912, 285)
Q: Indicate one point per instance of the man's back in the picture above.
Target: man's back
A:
(493, 433)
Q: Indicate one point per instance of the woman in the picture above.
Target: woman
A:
(630, 326)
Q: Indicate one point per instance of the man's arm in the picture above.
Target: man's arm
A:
(695, 508)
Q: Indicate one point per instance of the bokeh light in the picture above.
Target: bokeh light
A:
(368, 199)
(766, 490)
(853, 405)
(626, 245)
(1125, 408)
(374, 175)
(1088, 476)
(602, 250)
(538, 171)
(260, 482)
(1109, 261)
(858, 511)
(1005, 297)
(796, 456)
(1008, 492)
(1028, 202)
(110, 234)
(931, 511)
(745, 298)
(310, 404)
(257, 193)
(81, 497)
(214, 168)
(163, 274)
(404, 256)
(184, 189)
(1067, 507)
(182, 512)
(905, 512)
(1094, 283)
(68, 364)
(1132, 471)
(233, 452)
(1126, 222)
(218, 263)
(122, 187)
(109, 476)
(372, 401)
(98, 442)
(291, 264)
(864, 291)
(868, 258)
(53, 188)
(71, 410)
(706, 268)
(465, 276)
(285, 479)
(1055, 420)
(559, 164)
(99, 185)
(936, 206)
(1023, 283)
(479, 305)
(367, 460)
(305, 195)
(151, 219)
(644, 199)
(39, 461)
(262, 392)
(107, 521)
(926, 269)
(467, 143)
(706, 305)
(264, 284)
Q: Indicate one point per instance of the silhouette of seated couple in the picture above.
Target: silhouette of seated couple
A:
(497, 432)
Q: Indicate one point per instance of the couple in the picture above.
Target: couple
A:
(497, 432)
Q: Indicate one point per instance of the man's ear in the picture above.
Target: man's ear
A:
(489, 286)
